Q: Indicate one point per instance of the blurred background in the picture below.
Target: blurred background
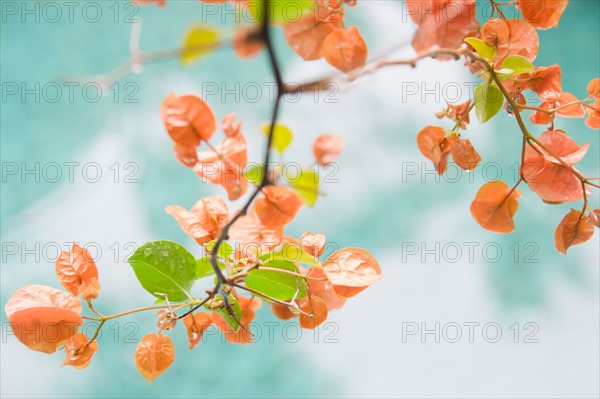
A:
(460, 311)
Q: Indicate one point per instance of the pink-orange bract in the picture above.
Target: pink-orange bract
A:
(204, 221)
(551, 179)
(80, 350)
(351, 270)
(153, 355)
(43, 318)
(78, 273)
(495, 205)
(575, 228)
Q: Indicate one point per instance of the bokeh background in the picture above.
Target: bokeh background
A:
(385, 199)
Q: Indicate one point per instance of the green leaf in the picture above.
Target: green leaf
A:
(483, 49)
(280, 11)
(199, 42)
(291, 253)
(164, 267)
(282, 136)
(518, 64)
(254, 173)
(225, 249)
(488, 101)
(306, 185)
(234, 307)
(281, 286)
(204, 267)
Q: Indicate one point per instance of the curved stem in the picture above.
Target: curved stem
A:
(553, 110)
(463, 117)
(284, 271)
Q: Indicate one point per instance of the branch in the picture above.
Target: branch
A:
(138, 58)
(376, 65)
(553, 110)
(154, 307)
(265, 35)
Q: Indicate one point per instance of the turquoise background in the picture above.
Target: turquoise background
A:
(374, 206)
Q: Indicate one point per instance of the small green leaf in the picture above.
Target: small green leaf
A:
(483, 49)
(280, 11)
(291, 253)
(254, 173)
(199, 42)
(306, 185)
(278, 285)
(164, 267)
(225, 249)
(204, 267)
(488, 101)
(234, 307)
(518, 64)
(282, 136)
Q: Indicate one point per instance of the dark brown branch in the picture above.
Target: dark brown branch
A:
(222, 280)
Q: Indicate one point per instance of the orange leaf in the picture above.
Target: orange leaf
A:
(188, 120)
(306, 35)
(345, 49)
(351, 270)
(434, 144)
(572, 111)
(443, 23)
(430, 141)
(593, 119)
(204, 221)
(594, 88)
(542, 118)
(230, 127)
(313, 244)
(459, 112)
(78, 273)
(511, 37)
(523, 40)
(187, 156)
(545, 82)
(153, 355)
(327, 148)
(542, 14)
(595, 217)
(574, 229)
(560, 144)
(494, 207)
(166, 321)
(196, 324)
(43, 318)
(282, 312)
(314, 306)
(224, 164)
(553, 183)
(495, 32)
(278, 206)
(546, 176)
(465, 155)
(324, 289)
(79, 351)
(255, 238)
